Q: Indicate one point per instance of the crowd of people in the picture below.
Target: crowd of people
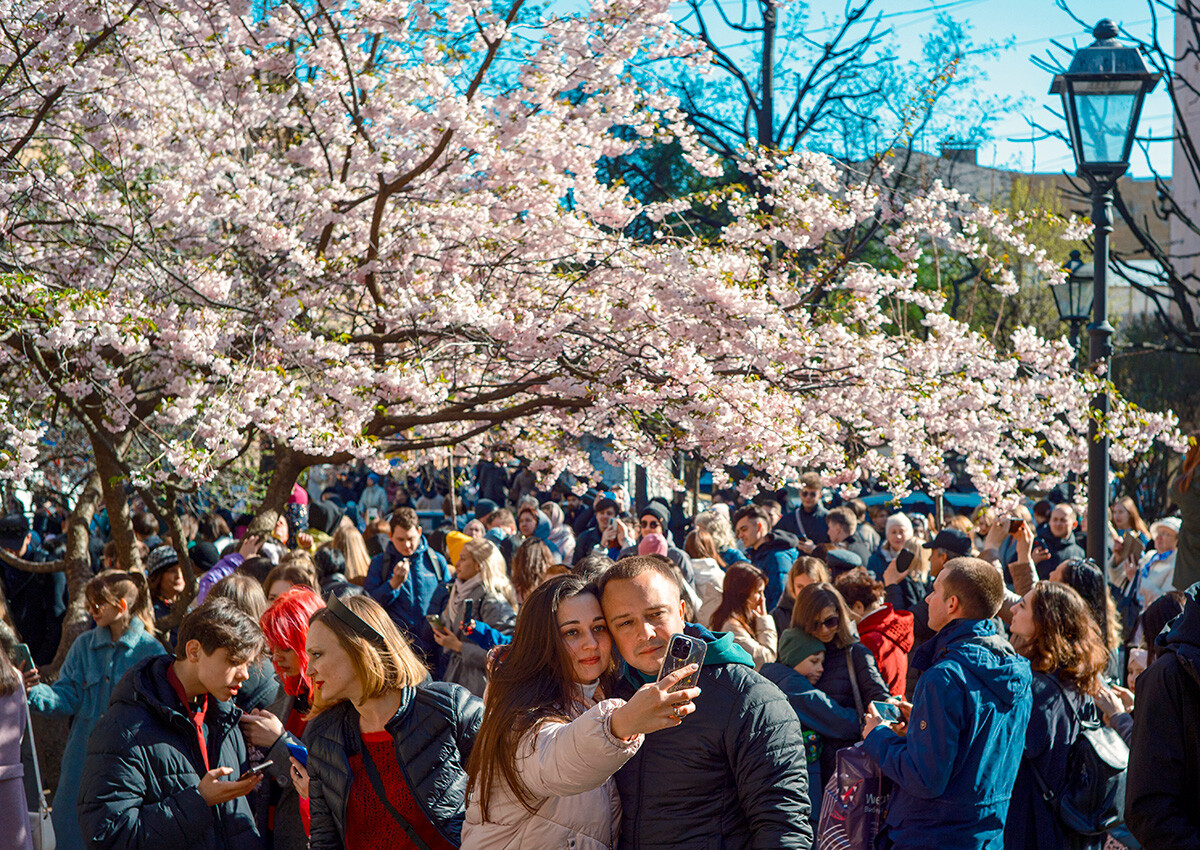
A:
(397, 665)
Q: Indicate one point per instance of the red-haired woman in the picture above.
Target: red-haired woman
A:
(285, 625)
(1053, 627)
(743, 613)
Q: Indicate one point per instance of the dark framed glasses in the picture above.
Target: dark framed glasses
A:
(828, 623)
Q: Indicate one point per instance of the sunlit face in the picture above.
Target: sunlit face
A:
(649, 525)
(897, 536)
(475, 530)
(107, 613)
(1165, 540)
(798, 581)
(286, 661)
(837, 532)
(939, 613)
(281, 529)
(643, 612)
(812, 667)
(278, 587)
(825, 627)
(808, 497)
(750, 530)
(329, 666)
(172, 583)
(1120, 517)
(757, 598)
(1062, 522)
(585, 637)
(465, 567)
(1022, 617)
(527, 524)
(218, 674)
(604, 517)
(406, 540)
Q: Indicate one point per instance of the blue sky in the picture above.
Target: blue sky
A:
(1033, 24)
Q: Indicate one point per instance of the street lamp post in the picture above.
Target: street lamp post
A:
(1102, 94)
(1073, 299)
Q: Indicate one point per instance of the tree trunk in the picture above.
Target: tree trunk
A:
(79, 570)
(112, 484)
(288, 466)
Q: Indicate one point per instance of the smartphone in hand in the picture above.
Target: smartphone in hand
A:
(683, 650)
(256, 770)
(889, 711)
(24, 657)
(468, 613)
(904, 560)
(298, 752)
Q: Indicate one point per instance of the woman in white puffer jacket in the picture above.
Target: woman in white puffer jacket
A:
(540, 773)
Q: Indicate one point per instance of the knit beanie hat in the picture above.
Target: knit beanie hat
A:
(796, 645)
(653, 544)
(455, 540)
(160, 558)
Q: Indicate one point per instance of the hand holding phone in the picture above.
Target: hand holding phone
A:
(256, 770)
(888, 711)
(468, 614)
(904, 560)
(436, 621)
(299, 753)
(683, 650)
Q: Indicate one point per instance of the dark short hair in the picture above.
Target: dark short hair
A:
(843, 516)
(859, 585)
(751, 512)
(144, 524)
(634, 566)
(591, 567)
(221, 624)
(329, 561)
(977, 584)
(405, 518)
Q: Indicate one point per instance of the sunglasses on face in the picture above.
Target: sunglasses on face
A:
(650, 523)
(828, 623)
(809, 493)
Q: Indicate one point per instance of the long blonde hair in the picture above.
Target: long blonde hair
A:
(492, 572)
(350, 543)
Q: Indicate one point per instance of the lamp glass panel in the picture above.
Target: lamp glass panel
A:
(1103, 113)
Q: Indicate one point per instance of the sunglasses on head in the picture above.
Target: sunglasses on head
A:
(828, 623)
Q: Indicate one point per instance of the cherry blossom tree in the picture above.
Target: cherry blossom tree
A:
(347, 229)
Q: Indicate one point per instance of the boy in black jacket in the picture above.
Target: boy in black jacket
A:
(159, 763)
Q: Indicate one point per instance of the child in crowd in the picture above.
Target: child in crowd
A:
(168, 752)
(120, 604)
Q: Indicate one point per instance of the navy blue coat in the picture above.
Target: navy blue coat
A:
(1162, 797)
(954, 772)
(775, 558)
(835, 683)
(421, 592)
(1052, 729)
(139, 785)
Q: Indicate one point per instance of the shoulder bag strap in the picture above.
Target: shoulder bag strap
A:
(377, 784)
(1047, 794)
(858, 701)
(37, 770)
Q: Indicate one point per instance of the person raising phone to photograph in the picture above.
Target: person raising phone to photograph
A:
(743, 745)
(541, 770)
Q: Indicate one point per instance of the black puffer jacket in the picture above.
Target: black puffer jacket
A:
(835, 682)
(1162, 795)
(732, 775)
(143, 767)
(434, 730)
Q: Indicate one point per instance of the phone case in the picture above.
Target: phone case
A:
(299, 753)
(683, 650)
(468, 611)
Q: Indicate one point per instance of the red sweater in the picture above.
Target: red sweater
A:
(369, 825)
(889, 635)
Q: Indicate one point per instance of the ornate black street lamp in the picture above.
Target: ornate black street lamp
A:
(1102, 94)
(1073, 298)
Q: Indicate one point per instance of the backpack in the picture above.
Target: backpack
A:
(1092, 800)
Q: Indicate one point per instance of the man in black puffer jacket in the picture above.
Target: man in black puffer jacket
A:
(147, 780)
(732, 774)
(1162, 797)
(433, 732)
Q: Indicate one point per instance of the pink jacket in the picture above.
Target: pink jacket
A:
(570, 766)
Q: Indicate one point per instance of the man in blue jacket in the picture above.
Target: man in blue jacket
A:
(955, 758)
(769, 552)
(407, 580)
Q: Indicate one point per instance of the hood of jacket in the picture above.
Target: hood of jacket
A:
(986, 656)
(147, 685)
(896, 626)
(1182, 635)
(775, 542)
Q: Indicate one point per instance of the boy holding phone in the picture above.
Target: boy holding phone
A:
(168, 751)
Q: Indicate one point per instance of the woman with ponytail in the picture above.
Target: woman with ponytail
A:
(120, 604)
(285, 626)
(1185, 493)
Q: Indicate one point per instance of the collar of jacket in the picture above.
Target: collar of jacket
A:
(127, 638)
(151, 687)
(1182, 634)
(954, 632)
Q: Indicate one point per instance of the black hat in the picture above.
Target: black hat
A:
(325, 516)
(655, 510)
(484, 507)
(952, 540)
(13, 530)
(842, 560)
(204, 556)
(160, 558)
